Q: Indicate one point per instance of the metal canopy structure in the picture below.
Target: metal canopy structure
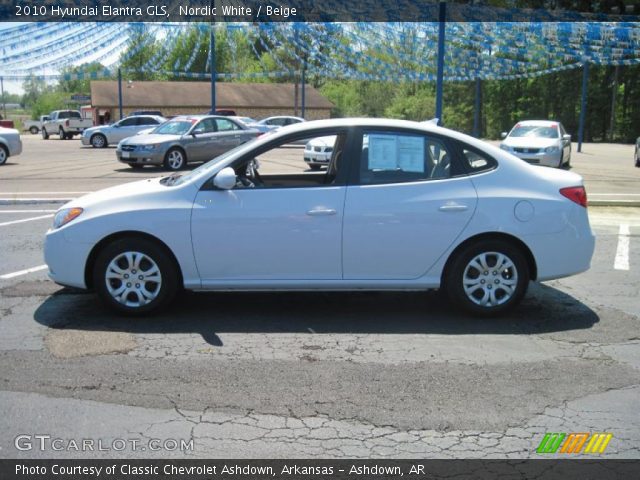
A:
(393, 52)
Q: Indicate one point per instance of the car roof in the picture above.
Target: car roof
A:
(538, 123)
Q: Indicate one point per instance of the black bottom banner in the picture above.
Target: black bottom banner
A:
(317, 469)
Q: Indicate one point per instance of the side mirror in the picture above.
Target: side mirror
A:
(503, 135)
(225, 179)
(566, 136)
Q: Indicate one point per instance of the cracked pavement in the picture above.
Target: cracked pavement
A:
(331, 375)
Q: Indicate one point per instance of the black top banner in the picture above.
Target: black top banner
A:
(309, 11)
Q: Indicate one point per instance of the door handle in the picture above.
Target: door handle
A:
(453, 207)
(316, 212)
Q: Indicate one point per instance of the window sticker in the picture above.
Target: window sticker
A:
(396, 152)
(411, 154)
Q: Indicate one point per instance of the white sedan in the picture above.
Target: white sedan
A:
(402, 206)
(540, 142)
(10, 144)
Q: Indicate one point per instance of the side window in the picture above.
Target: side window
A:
(129, 122)
(402, 157)
(147, 121)
(225, 125)
(475, 161)
(205, 126)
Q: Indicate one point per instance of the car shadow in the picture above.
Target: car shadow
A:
(544, 310)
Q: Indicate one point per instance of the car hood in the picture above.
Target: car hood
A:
(98, 128)
(528, 142)
(150, 139)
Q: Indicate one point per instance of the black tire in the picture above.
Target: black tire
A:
(493, 282)
(4, 154)
(98, 141)
(163, 291)
(568, 164)
(315, 167)
(637, 158)
(69, 136)
(45, 135)
(34, 130)
(61, 134)
(561, 163)
(171, 161)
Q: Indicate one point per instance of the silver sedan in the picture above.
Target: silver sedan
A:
(197, 138)
(104, 135)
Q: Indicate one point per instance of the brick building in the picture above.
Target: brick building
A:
(256, 100)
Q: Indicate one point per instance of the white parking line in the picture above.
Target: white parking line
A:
(13, 222)
(7, 276)
(27, 211)
(622, 252)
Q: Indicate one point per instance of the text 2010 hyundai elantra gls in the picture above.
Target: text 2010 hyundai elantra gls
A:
(402, 206)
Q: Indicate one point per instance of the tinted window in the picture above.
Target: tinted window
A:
(402, 157)
(128, 122)
(147, 121)
(69, 114)
(205, 126)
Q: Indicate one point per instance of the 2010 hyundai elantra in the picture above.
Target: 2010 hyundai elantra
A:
(401, 206)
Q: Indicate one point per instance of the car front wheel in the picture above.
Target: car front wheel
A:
(487, 278)
(33, 130)
(4, 154)
(135, 276)
(98, 141)
(174, 159)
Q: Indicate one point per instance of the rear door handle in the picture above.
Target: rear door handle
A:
(316, 212)
(453, 207)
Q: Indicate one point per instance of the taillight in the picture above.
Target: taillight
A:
(575, 194)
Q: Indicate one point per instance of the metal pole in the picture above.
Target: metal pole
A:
(476, 112)
(120, 91)
(4, 105)
(441, 24)
(614, 91)
(583, 105)
(304, 71)
(212, 61)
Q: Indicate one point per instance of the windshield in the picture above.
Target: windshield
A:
(534, 131)
(179, 127)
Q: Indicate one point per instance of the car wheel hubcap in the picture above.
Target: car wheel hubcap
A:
(175, 160)
(133, 279)
(98, 141)
(490, 279)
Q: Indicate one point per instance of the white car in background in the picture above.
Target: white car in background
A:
(10, 144)
(318, 152)
(104, 135)
(280, 121)
(539, 142)
(402, 206)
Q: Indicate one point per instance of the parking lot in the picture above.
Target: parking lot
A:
(315, 374)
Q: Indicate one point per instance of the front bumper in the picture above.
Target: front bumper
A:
(66, 260)
(15, 148)
(85, 140)
(136, 157)
(542, 158)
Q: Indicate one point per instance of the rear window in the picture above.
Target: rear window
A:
(69, 114)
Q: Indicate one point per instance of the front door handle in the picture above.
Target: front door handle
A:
(453, 207)
(316, 212)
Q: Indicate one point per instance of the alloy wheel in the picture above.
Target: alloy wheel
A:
(133, 279)
(490, 279)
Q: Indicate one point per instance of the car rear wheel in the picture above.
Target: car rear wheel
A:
(98, 141)
(174, 159)
(33, 130)
(487, 278)
(4, 154)
(62, 135)
(135, 276)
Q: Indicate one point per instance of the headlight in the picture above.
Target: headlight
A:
(147, 148)
(504, 147)
(65, 215)
(551, 150)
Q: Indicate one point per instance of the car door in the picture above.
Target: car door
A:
(199, 141)
(229, 135)
(260, 236)
(406, 207)
(123, 129)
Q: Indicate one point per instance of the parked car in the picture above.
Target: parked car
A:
(252, 123)
(65, 123)
(34, 126)
(280, 121)
(402, 206)
(637, 152)
(318, 151)
(184, 139)
(105, 135)
(155, 113)
(540, 142)
(10, 144)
